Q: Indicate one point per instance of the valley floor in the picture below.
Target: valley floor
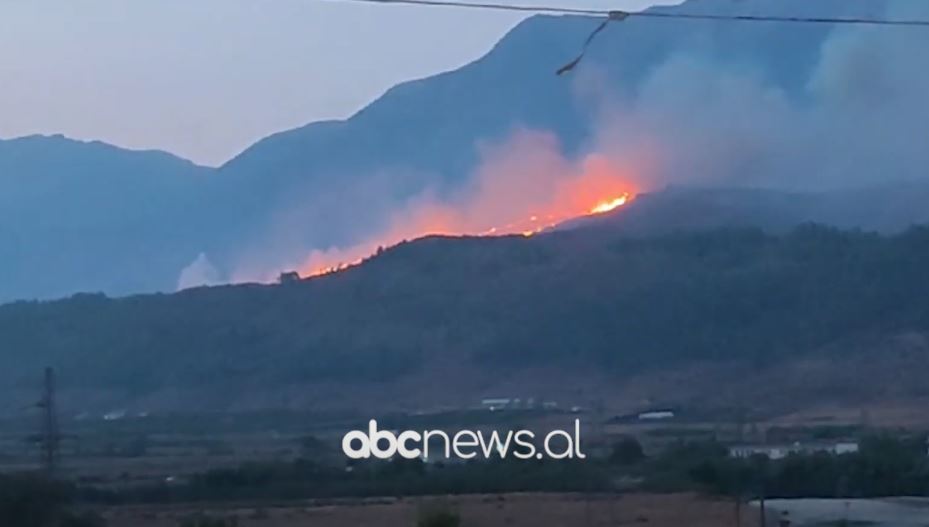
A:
(511, 510)
(887, 512)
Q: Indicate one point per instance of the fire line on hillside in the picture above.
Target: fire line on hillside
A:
(530, 226)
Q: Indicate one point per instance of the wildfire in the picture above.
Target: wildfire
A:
(531, 226)
(607, 206)
(525, 189)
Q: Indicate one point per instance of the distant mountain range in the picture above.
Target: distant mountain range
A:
(78, 216)
(728, 278)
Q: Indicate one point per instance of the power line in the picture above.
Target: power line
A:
(795, 19)
(615, 14)
(618, 16)
(489, 6)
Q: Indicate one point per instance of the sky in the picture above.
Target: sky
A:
(205, 79)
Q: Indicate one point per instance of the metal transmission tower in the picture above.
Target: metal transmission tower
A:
(50, 438)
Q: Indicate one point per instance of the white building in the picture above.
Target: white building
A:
(497, 403)
(656, 415)
(782, 451)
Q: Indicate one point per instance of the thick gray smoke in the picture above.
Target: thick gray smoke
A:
(862, 117)
(859, 118)
(200, 272)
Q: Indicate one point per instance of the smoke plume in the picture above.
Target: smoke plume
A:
(859, 118)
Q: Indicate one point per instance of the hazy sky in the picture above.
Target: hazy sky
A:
(206, 78)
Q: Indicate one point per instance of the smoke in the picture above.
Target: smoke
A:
(859, 117)
(200, 272)
(523, 186)
(348, 207)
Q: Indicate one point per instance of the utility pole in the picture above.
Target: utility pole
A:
(50, 438)
(763, 519)
(762, 468)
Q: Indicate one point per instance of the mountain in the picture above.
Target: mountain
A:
(885, 208)
(719, 104)
(435, 122)
(445, 321)
(77, 216)
(430, 133)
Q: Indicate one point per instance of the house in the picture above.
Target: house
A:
(783, 450)
(115, 415)
(645, 416)
(655, 415)
(499, 403)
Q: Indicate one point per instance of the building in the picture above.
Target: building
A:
(645, 416)
(784, 450)
(499, 403)
(115, 415)
(655, 415)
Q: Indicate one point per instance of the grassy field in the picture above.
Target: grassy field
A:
(511, 510)
(886, 512)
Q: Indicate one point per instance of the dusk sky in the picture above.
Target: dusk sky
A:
(204, 79)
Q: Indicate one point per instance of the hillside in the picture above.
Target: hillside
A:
(78, 216)
(589, 307)
(886, 208)
(720, 104)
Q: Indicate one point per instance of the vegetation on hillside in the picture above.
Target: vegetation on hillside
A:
(581, 297)
(33, 501)
(885, 465)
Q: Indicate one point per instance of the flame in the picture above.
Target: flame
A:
(517, 195)
(607, 206)
(536, 223)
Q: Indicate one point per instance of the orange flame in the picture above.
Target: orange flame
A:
(518, 195)
(607, 206)
(511, 228)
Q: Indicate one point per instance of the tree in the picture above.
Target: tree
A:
(627, 451)
(439, 516)
(32, 501)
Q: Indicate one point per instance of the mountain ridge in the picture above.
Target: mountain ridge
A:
(286, 195)
(592, 304)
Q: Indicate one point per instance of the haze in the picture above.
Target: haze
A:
(206, 79)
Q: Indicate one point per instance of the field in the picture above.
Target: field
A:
(154, 449)
(511, 510)
(889, 512)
